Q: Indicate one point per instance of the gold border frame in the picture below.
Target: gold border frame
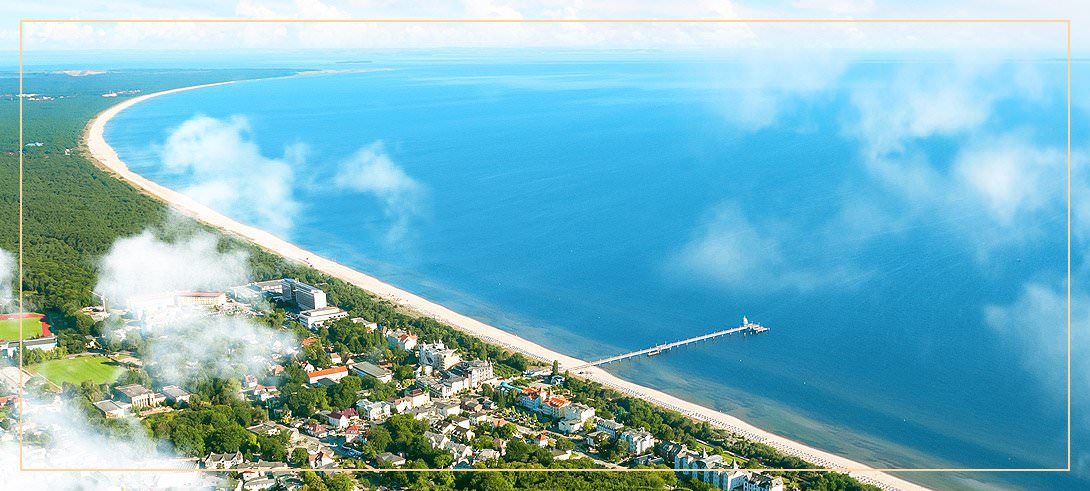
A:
(1066, 22)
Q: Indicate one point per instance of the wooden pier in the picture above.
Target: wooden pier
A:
(746, 328)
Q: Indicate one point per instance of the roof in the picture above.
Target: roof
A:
(199, 294)
(327, 371)
(370, 369)
(133, 390)
(108, 406)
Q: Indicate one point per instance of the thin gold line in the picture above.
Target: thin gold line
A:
(21, 388)
(1069, 245)
(566, 21)
(550, 21)
(548, 469)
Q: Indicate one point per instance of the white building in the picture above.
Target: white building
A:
(305, 296)
(401, 339)
(438, 356)
(639, 440)
(374, 410)
(711, 469)
(761, 482)
(314, 318)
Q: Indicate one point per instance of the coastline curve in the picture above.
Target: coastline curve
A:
(107, 159)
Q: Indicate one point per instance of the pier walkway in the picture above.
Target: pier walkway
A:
(747, 327)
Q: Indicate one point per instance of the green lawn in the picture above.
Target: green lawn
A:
(97, 369)
(9, 328)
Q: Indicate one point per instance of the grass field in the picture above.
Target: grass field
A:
(9, 328)
(97, 369)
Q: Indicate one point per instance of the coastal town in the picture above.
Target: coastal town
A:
(352, 395)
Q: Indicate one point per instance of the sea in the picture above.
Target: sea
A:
(899, 223)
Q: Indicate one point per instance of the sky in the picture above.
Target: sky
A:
(734, 35)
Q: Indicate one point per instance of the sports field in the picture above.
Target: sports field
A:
(97, 369)
(9, 328)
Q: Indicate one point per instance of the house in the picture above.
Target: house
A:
(365, 369)
(487, 454)
(249, 381)
(370, 326)
(136, 395)
(561, 454)
(554, 406)
(352, 433)
(222, 460)
(110, 409)
(542, 439)
(639, 440)
(761, 482)
(436, 440)
(374, 410)
(333, 374)
(340, 419)
(578, 411)
(335, 357)
(316, 430)
(530, 398)
(319, 459)
(464, 435)
(447, 409)
(711, 469)
(438, 356)
(609, 426)
(390, 459)
(459, 450)
(176, 395)
(401, 339)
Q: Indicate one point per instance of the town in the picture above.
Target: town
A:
(351, 394)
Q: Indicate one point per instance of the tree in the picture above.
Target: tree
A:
(556, 368)
(340, 482)
(298, 457)
(380, 438)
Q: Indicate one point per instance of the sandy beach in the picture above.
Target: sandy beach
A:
(108, 160)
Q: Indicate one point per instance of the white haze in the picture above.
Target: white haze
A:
(182, 348)
(7, 280)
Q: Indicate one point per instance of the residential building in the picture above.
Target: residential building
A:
(711, 469)
(390, 459)
(639, 440)
(374, 410)
(401, 339)
(333, 374)
(222, 460)
(609, 426)
(319, 459)
(476, 373)
(438, 356)
(554, 406)
(365, 369)
(136, 395)
(305, 296)
(761, 482)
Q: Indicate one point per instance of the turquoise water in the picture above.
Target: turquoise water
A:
(597, 207)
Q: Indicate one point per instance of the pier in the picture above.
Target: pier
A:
(746, 328)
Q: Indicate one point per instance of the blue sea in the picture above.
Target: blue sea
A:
(899, 224)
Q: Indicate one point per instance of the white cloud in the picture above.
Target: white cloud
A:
(8, 270)
(143, 264)
(1012, 176)
(372, 171)
(230, 174)
(188, 345)
(1037, 322)
(73, 443)
(730, 250)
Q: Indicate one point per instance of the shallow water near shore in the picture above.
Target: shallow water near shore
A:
(600, 207)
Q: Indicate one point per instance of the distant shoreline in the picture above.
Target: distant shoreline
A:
(106, 158)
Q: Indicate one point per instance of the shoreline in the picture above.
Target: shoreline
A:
(106, 158)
